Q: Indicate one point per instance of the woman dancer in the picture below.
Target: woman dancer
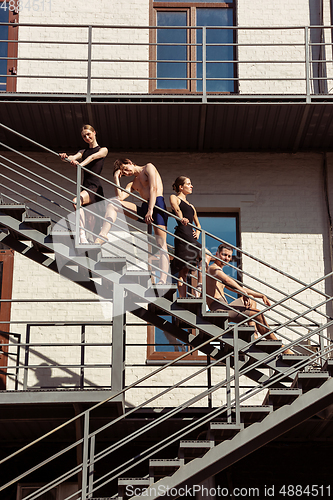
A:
(93, 159)
(190, 249)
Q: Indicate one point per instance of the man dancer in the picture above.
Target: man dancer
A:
(244, 306)
(148, 183)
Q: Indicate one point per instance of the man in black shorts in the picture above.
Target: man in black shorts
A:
(148, 183)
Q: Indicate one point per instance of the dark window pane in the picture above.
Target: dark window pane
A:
(172, 70)
(166, 342)
(4, 16)
(216, 17)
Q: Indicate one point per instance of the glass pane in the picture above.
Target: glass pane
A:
(171, 70)
(216, 17)
(221, 226)
(4, 16)
(166, 342)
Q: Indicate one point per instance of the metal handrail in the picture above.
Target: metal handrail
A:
(305, 60)
(136, 196)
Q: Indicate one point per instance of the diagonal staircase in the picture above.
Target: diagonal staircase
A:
(292, 387)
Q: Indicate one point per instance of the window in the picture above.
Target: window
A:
(225, 226)
(179, 51)
(8, 48)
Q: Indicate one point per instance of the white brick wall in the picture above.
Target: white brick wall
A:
(279, 53)
(283, 221)
(133, 13)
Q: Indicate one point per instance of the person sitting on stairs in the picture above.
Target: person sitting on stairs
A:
(242, 307)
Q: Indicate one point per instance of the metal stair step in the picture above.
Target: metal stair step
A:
(164, 467)
(141, 481)
(269, 346)
(292, 359)
(192, 304)
(250, 414)
(328, 366)
(279, 397)
(137, 483)
(15, 210)
(310, 380)
(217, 318)
(194, 448)
(224, 430)
(41, 224)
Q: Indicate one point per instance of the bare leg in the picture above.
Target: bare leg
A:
(263, 327)
(182, 282)
(85, 199)
(111, 215)
(160, 236)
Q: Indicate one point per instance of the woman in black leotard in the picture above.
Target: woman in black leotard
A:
(190, 249)
(93, 159)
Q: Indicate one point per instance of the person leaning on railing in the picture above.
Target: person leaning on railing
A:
(93, 159)
(188, 251)
(238, 309)
(148, 183)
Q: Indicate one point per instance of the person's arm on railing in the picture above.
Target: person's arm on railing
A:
(73, 159)
(232, 285)
(196, 232)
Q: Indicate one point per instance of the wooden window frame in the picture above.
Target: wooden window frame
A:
(152, 354)
(7, 257)
(191, 37)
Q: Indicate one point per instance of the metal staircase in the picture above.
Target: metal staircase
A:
(292, 387)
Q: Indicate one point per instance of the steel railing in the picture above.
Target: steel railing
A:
(314, 320)
(260, 61)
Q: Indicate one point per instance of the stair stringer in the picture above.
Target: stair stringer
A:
(244, 443)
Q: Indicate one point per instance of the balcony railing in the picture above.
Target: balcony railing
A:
(106, 62)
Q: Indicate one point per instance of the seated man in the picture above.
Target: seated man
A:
(148, 183)
(242, 307)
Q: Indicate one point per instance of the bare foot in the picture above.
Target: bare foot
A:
(100, 241)
(288, 351)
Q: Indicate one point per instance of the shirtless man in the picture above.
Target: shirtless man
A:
(148, 183)
(244, 306)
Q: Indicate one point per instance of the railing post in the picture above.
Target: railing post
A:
(204, 69)
(203, 270)
(307, 65)
(228, 389)
(236, 372)
(209, 383)
(118, 338)
(26, 358)
(88, 99)
(78, 205)
(83, 340)
(85, 456)
(91, 467)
